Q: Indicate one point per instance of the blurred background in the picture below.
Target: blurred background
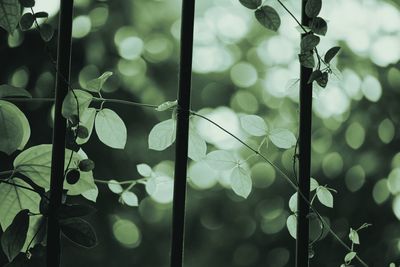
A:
(239, 67)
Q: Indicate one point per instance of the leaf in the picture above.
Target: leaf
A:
(26, 21)
(197, 149)
(325, 196)
(129, 198)
(313, 184)
(293, 203)
(97, 84)
(254, 125)
(349, 256)
(268, 17)
(14, 128)
(251, 4)
(323, 80)
(41, 14)
(115, 187)
(27, 3)
(14, 199)
(282, 138)
(309, 42)
(111, 129)
(46, 32)
(353, 236)
(319, 26)
(9, 14)
(314, 76)
(11, 91)
(35, 163)
(331, 53)
(144, 170)
(162, 135)
(307, 59)
(313, 7)
(87, 120)
(13, 239)
(241, 181)
(291, 224)
(70, 105)
(79, 231)
(221, 160)
(167, 105)
(75, 210)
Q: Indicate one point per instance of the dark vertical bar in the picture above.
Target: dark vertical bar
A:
(59, 130)
(182, 133)
(304, 158)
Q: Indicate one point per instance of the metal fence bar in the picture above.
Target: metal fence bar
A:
(59, 130)
(304, 158)
(182, 133)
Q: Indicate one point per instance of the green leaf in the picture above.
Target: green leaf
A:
(319, 26)
(291, 224)
(71, 104)
(46, 32)
(129, 198)
(293, 203)
(14, 128)
(309, 42)
(144, 170)
(26, 21)
(307, 59)
(13, 239)
(11, 91)
(268, 17)
(325, 196)
(87, 120)
(27, 3)
(75, 210)
(353, 236)
(331, 53)
(111, 129)
(79, 231)
(251, 4)
(221, 160)
(282, 138)
(323, 80)
(254, 125)
(167, 105)
(115, 187)
(197, 146)
(313, 7)
(41, 14)
(313, 184)
(349, 257)
(13, 199)
(97, 84)
(35, 163)
(241, 181)
(162, 135)
(314, 76)
(9, 14)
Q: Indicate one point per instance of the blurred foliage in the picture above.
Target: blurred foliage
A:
(238, 68)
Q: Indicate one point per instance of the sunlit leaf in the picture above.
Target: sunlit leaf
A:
(325, 196)
(350, 256)
(115, 187)
(282, 138)
(241, 181)
(293, 203)
(12, 91)
(79, 231)
(197, 149)
(251, 4)
(291, 224)
(87, 120)
(268, 17)
(221, 160)
(313, 184)
(13, 238)
(14, 128)
(10, 11)
(111, 129)
(129, 198)
(70, 104)
(162, 135)
(313, 7)
(353, 236)
(97, 84)
(144, 170)
(254, 125)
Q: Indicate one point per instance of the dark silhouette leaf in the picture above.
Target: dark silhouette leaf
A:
(331, 53)
(79, 231)
(313, 7)
(268, 17)
(251, 4)
(14, 237)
